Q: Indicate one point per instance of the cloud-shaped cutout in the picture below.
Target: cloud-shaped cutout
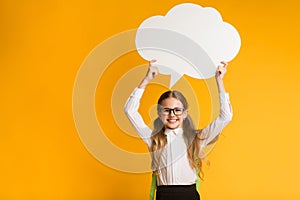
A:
(190, 40)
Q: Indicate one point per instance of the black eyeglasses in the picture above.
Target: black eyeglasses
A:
(176, 111)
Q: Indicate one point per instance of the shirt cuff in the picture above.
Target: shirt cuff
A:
(138, 92)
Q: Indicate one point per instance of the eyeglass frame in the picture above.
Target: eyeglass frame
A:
(162, 109)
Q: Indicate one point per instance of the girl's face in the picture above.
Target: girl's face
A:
(172, 113)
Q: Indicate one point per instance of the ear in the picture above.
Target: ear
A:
(185, 114)
(159, 115)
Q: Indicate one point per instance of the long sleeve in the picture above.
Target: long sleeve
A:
(131, 110)
(214, 128)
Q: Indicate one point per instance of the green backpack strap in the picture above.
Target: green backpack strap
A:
(198, 181)
(153, 186)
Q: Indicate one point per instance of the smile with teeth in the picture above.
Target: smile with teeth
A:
(172, 120)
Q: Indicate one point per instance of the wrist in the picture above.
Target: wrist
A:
(219, 79)
(220, 84)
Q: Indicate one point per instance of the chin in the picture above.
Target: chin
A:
(172, 126)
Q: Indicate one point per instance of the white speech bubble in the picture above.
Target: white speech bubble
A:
(190, 40)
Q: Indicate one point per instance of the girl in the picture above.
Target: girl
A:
(175, 145)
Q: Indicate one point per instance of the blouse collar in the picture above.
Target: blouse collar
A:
(177, 131)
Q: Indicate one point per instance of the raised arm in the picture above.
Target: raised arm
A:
(151, 74)
(133, 103)
(211, 131)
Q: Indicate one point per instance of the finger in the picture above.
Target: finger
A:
(154, 71)
(152, 61)
(220, 68)
(223, 70)
(155, 74)
(225, 64)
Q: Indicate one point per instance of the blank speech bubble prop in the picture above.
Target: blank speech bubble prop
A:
(190, 40)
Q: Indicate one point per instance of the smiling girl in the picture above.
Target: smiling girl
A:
(175, 145)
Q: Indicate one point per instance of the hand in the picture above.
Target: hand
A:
(221, 70)
(152, 71)
(151, 74)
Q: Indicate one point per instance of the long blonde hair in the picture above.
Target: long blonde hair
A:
(191, 135)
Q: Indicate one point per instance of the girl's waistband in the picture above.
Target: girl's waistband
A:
(176, 188)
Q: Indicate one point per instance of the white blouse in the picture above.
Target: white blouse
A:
(174, 167)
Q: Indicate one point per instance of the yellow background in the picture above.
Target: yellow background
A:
(43, 44)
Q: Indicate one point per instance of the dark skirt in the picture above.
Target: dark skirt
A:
(177, 192)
